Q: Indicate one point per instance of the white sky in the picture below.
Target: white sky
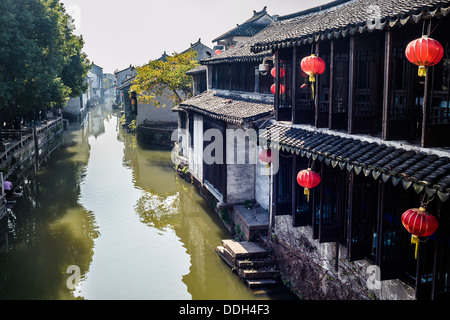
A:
(118, 33)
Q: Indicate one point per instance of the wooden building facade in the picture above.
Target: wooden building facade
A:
(375, 131)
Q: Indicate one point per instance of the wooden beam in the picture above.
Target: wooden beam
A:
(386, 85)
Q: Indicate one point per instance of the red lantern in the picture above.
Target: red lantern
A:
(273, 72)
(312, 66)
(266, 157)
(308, 179)
(218, 51)
(424, 52)
(282, 88)
(419, 223)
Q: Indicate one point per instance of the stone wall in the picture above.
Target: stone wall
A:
(314, 271)
(240, 159)
(155, 135)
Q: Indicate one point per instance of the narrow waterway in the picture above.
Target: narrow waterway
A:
(107, 218)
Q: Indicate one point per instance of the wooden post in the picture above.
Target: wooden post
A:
(256, 88)
(224, 168)
(317, 93)
(293, 183)
(351, 76)
(351, 180)
(330, 107)
(436, 252)
(277, 84)
(387, 85)
(295, 70)
(418, 286)
(320, 202)
(379, 222)
(424, 142)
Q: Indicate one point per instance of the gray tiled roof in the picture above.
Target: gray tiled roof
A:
(240, 53)
(346, 19)
(197, 70)
(407, 167)
(248, 28)
(236, 111)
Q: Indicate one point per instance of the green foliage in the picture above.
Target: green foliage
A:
(132, 125)
(165, 79)
(41, 61)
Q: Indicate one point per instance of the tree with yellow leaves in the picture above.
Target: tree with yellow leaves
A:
(165, 79)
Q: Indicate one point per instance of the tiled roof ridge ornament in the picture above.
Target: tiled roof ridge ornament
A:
(255, 13)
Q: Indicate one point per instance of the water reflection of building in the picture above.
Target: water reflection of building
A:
(170, 203)
(96, 121)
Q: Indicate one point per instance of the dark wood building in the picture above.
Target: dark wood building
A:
(375, 131)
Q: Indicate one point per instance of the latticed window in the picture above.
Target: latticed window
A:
(401, 71)
(283, 185)
(340, 85)
(440, 95)
(234, 76)
(304, 103)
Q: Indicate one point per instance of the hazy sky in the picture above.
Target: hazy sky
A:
(118, 33)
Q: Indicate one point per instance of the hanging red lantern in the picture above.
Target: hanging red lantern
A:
(312, 66)
(218, 51)
(308, 179)
(419, 223)
(424, 52)
(266, 157)
(282, 88)
(273, 72)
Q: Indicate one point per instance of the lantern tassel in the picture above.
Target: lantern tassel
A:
(415, 240)
(312, 79)
(306, 192)
(422, 71)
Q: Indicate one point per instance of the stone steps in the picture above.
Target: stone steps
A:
(250, 261)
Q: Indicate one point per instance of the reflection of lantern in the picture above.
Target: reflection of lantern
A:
(308, 179)
(282, 88)
(312, 66)
(273, 72)
(419, 223)
(424, 52)
(266, 157)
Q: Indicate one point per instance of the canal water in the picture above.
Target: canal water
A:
(107, 218)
